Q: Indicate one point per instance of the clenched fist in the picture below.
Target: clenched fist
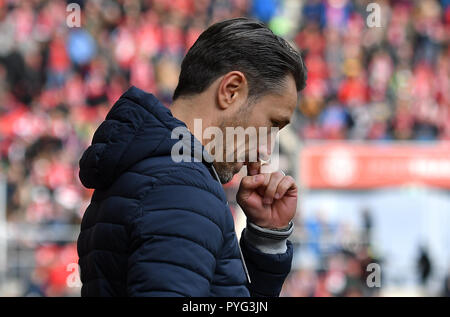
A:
(269, 200)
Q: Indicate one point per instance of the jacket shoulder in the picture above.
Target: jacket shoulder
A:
(165, 172)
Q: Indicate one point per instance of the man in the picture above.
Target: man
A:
(160, 227)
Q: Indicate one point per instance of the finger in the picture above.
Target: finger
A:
(262, 189)
(257, 183)
(286, 184)
(253, 168)
(272, 187)
(250, 183)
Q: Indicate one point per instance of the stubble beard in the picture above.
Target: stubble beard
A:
(227, 170)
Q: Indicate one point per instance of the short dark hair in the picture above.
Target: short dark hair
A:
(242, 44)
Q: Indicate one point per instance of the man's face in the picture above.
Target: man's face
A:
(270, 111)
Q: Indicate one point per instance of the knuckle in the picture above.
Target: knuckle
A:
(245, 181)
(249, 179)
(287, 187)
(283, 187)
(290, 179)
(287, 183)
(278, 174)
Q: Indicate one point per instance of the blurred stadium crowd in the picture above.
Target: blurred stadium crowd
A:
(57, 84)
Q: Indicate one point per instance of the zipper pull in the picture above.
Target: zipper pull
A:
(243, 263)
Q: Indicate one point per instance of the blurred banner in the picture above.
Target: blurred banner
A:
(348, 165)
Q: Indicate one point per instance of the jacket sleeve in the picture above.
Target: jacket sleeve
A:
(267, 271)
(174, 244)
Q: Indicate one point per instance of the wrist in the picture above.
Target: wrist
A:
(267, 240)
(271, 233)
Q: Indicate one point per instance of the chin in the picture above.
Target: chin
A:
(226, 171)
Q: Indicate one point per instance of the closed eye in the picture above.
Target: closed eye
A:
(279, 124)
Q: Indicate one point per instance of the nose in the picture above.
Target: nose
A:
(264, 153)
(264, 158)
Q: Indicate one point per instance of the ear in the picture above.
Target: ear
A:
(233, 89)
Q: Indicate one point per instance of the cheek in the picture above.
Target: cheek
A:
(267, 143)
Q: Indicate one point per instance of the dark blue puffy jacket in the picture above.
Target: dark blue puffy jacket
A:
(159, 228)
